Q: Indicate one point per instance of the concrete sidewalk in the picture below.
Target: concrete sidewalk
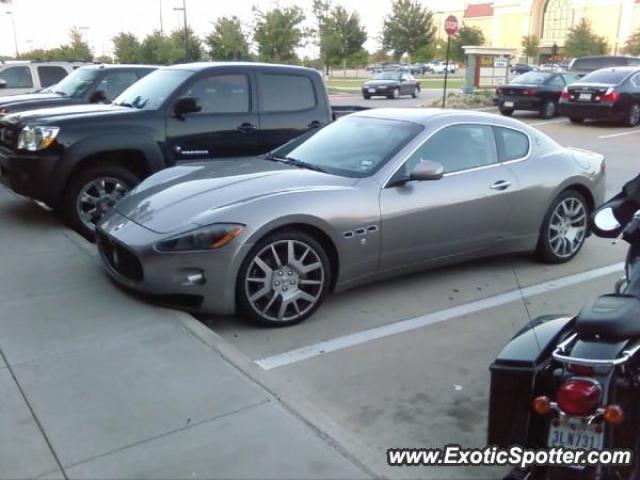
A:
(96, 384)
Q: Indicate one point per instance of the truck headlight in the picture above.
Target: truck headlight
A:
(205, 238)
(37, 138)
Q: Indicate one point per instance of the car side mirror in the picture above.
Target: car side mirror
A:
(427, 170)
(185, 105)
(3, 83)
(98, 96)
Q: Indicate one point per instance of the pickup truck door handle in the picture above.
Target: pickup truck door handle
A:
(500, 185)
(315, 124)
(247, 127)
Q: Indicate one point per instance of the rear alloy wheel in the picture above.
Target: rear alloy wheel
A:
(548, 110)
(577, 121)
(634, 116)
(507, 112)
(564, 228)
(284, 279)
(92, 192)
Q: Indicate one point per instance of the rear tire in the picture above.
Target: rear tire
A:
(633, 116)
(577, 121)
(366, 97)
(103, 184)
(549, 110)
(564, 228)
(507, 112)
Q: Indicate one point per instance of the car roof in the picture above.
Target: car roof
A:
(200, 66)
(116, 66)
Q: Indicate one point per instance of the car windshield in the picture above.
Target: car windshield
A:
(531, 78)
(352, 146)
(75, 84)
(605, 76)
(150, 92)
(387, 76)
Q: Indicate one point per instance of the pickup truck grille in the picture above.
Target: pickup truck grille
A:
(8, 137)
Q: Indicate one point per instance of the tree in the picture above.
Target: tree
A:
(379, 56)
(531, 46)
(322, 10)
(104, 59)
(194, 45)
(227, 40)
(632, 47)
(77, 50)
(126, 48)
(408, 28)
(158, 49)
(581, 41)
(466, 36)
(278, 33)
(347, 37)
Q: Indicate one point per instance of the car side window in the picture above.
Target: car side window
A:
(570, 78)
(227, 93)
(457, 148)
(557, 81)
(635, 80)
(50, 75)
(512, 144)
(17, 77)
(286, 93)
(114, 83)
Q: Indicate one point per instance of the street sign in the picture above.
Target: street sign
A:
(451, 25)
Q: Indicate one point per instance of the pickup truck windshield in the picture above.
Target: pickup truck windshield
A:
(75, 84)
(355, 146)
(151, 92)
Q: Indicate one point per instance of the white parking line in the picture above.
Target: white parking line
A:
(548, 122)
(365, 336)
(620, 134)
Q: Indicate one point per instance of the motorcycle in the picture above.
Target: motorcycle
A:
(574, 381)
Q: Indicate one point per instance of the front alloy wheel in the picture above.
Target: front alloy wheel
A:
(284, 279)
(564, 229)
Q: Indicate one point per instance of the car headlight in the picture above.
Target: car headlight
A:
(37, 138)
(206, 238)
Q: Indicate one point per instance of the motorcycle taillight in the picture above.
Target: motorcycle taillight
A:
(579, 396)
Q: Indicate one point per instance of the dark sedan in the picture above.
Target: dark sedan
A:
(537, 91)
(90, 84)
(391, 85)
(608, 94)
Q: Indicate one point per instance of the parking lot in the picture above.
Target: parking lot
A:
(400, 363)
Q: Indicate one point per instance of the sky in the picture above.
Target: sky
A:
(46, 23)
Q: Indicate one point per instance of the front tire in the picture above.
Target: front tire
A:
(416, 92)
(284, 279)
(92, 192)
(548, 110)
(564, 228)
(396, 93)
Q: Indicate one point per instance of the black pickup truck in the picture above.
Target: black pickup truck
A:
(91, 84)
(81, 160)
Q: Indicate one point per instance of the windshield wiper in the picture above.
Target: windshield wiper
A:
(293, 161)
(124, 104)
(62, 94)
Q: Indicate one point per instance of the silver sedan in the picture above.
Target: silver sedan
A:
(375, 194)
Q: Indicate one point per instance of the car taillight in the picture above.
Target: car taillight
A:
(578, 396)
(610, 96)
(565, 94)
(530, 91)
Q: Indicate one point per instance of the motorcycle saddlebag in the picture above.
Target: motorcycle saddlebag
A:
(515, 380)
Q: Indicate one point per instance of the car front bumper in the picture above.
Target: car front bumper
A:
(198, 281)
(27, 175)
(373, 91)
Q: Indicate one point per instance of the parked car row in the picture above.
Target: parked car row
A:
(229, 187)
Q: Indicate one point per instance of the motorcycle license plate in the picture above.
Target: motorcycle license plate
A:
(574, 434)
(584, 97)
(372, 90)
(508, 104)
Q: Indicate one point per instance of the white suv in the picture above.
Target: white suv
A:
(25, 77)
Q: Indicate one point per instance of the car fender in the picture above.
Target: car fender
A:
(80, 152)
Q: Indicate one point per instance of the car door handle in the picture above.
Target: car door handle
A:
(247, 127)
(501, 185)
(315, 124)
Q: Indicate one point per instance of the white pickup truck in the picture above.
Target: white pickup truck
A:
(24, 77)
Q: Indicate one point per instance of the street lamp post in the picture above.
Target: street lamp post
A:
(186, 33)
(15, 35)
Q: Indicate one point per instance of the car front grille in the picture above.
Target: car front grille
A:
(8, 137)
(120, 259)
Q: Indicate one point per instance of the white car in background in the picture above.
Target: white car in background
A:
(441, 67)
(18, 77)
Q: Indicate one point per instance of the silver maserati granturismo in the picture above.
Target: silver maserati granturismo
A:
(374, 194)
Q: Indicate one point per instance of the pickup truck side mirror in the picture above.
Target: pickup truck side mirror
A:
(3, 83)
(427, 170)
(185, 105)
(98, 96)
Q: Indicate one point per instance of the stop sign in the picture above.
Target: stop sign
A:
(451, 25)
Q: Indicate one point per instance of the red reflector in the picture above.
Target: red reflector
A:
(530, 91)
(581, 370)
(579, 396)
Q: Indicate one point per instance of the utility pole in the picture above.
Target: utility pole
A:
(186, 31)
(161, 25)
(15, 35)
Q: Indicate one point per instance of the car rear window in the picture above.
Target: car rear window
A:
(50, 75)
(605, 76)
(286, 93)
(537, 78)
(512, 144)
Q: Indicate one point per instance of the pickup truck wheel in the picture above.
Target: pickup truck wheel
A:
(92, 192)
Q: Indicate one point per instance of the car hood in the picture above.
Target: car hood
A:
(21, 103)
(380, 83)
(184, 197)
(59, 115)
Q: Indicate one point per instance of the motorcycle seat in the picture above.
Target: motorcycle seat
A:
(610, 317)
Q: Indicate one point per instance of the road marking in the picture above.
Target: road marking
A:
(402, 326)
(548, 122)
(621, 134)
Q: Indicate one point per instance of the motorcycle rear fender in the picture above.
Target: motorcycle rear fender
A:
(516, 378)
